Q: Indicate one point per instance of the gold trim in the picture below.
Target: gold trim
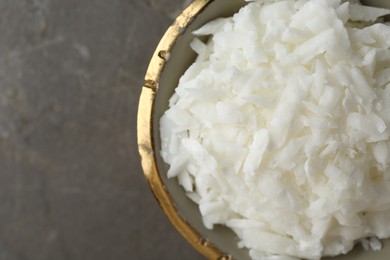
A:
(145, 131)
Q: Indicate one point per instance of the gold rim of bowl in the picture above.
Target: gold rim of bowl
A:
(145, 131)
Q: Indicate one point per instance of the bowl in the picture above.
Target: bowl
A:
(170, 60)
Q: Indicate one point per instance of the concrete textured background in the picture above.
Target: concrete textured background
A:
(71, 183)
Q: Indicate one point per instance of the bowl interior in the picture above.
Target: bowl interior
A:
(180, 59)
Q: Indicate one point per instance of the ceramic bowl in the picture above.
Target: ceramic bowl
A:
(170, 60)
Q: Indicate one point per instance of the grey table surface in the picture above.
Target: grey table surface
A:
(71, 182)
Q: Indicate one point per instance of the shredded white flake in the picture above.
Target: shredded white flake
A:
(280, 129)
